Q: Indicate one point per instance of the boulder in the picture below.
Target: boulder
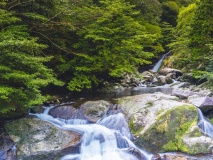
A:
(169, 79)
(7, 148)
(114, 109)
(148, 76)
(161, 80)
(156, 157)
(183, 94)
(113, 87)
(170, 156)
(67, 112)
(204, 103)
(142, 109)
(38, 140)
(196, 142)
(94, 110)
(167, 71)
(137, 153)
(161, 123)
(164, 80)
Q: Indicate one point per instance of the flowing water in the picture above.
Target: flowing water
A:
(107, 139)
(158, 64)
(205, 125)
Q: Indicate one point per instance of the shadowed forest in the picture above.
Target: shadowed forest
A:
(77, 45)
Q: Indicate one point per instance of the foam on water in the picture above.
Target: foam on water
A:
(205, 125)
(107, 139)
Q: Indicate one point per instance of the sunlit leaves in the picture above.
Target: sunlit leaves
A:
(22, 69)
(115, 41)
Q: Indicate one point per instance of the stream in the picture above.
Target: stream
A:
(109, 137)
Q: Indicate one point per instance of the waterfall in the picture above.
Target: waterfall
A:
(205, 125)
(107, 139)
(158, 64)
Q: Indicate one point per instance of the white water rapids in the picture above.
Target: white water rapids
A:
(205, 125)
(159, 63)
(108, 139)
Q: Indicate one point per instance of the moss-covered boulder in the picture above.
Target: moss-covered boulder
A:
(162, 123)
(39, 140)
(142, 110)
(94, 110)
(166, 134)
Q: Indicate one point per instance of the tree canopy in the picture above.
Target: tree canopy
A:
(80, 44)
(22, 69)
(193, 43)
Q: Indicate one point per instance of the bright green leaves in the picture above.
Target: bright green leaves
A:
(22, 69)
(82, 81)
(113, 43)
(202, 25)
(150, 10)
(201, 38)
(192, 46)
(4, 20)
(182, 31)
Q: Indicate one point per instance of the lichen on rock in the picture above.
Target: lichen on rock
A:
(169, 129)
(36, 138)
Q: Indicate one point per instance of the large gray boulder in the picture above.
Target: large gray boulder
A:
(94, 110)
(7, 147)
(205, 103)
(148, 76)
(173, 73)
(183, 93)
(162, 123)
(38, 140)
(67, 112)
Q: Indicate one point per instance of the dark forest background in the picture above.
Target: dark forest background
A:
(77, 44)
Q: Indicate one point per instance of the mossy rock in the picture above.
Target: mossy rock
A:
(166, 134)
(39, 139)
(94, 110)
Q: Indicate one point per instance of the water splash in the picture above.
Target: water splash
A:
(74, 121)
(158, 64)
(205, 125)
(107, 139)
(116, 122)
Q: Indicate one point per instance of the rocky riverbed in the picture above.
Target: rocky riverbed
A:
(159, 123)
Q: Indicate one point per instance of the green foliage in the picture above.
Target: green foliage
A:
(201, 38)
(201, 34)
(112, 43)
(22, 69)
(193, 36)
(85, 82)
(170, 12)
(167, 34)
(180, 45)
(151, 11)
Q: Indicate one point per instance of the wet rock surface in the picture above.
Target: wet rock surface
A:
(67, 112)
(7, 148)
(174, 73)
(94, 110)
(161, 123)
(183, 94)
(136, 153)
(204, 103)
(39, 139)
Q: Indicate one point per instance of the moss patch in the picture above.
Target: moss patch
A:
(166, 134)
(133, 128)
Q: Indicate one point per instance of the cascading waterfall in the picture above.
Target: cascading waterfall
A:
(158, 64)
(108, 139)
(205, 125)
